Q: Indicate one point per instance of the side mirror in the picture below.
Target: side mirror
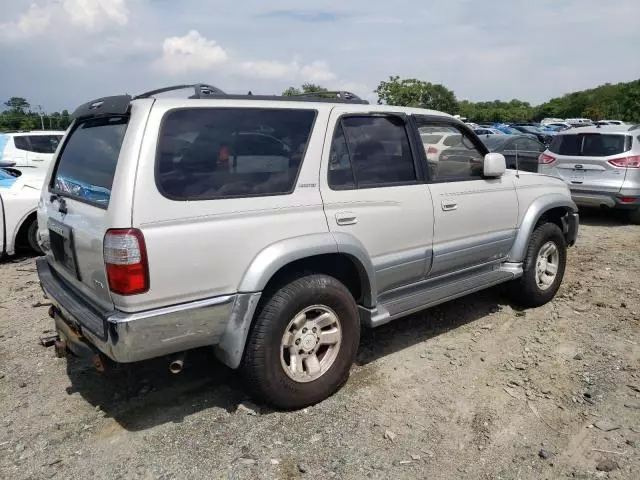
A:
(494, 165)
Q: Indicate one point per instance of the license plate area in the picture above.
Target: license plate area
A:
(62, 246)
(577, 176)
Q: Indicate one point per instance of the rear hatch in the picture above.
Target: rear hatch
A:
(74, 212)
(586, 161)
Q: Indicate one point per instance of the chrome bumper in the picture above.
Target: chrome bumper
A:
(131, 337)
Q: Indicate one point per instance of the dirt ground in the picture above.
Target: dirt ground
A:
(473, 389)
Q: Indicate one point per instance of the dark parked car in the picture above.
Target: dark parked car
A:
(544, 137)
(527, 150)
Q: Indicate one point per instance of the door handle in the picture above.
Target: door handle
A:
(346, 218)
(448, 205)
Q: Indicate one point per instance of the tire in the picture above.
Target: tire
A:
(634, 216)
(294, 308)
(32, 237)
(528, 291)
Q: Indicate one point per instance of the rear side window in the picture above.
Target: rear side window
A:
(21, 142)
(88, 160)
(370, 151)
(44, 143)
(212, 153)
(590, 145)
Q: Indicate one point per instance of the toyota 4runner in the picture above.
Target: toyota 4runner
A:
(273, 228)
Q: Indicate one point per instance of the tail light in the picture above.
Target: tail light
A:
(626, 162)
(125, 258)
(628, 199)
(546, 159)
(432, 149)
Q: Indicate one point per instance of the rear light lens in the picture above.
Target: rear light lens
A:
(628, 199)
(546, 159)
(626, 162)
(432, 149)
(125, 258)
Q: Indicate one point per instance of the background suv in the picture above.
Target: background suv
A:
(28, 149)
(601, 165)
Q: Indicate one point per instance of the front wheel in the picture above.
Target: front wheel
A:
(303, 343)
(543, 267)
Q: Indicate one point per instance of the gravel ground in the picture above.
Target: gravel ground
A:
(472, 389)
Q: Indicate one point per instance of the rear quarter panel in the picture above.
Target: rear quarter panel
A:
(201, 249)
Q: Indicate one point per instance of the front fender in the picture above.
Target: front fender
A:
(537, 208)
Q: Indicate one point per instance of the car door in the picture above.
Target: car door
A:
(373, 190)
(475, 218)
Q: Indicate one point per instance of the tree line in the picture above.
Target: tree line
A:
(619, 101)
(19, 114)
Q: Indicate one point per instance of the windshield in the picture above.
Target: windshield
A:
(88, 161)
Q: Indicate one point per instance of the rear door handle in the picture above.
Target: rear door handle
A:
(346, 218)
(448, 205)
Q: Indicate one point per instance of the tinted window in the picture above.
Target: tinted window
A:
(210, 153)
(44, 143)
(370, 152)
(590, 144)
(21, 142)
(495, 142)
(458, 158)
(88, 161)
(528, 145)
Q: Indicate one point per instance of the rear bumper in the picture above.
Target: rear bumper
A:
(130, 337)
(605, 199)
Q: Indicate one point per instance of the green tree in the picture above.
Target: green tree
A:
(306, 88)
(411, 92)
(17, 105)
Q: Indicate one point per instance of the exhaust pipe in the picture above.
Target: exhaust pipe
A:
(176, 365)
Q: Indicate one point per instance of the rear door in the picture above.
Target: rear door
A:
(77, 205)
(582, 160)
(373, 189)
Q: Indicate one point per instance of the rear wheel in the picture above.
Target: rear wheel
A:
(543, 267)
(303, 343)
(32, 237)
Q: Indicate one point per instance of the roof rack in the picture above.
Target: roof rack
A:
(341, 95)
(201, 90)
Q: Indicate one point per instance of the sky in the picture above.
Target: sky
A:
(61, 53)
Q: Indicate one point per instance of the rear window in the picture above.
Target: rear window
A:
(590, 144)
(453, 140)
(88, 160)
(430, 139)
(212, 153)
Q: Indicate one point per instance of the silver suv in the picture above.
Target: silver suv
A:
(273, 228)
(601, 165)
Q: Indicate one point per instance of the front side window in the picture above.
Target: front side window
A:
(453, 159)
(370, 151)
(212, 153)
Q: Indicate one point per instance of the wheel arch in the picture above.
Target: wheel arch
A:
(339, 255)
(21, 230)
(551, 208)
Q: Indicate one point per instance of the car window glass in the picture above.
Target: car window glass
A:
(44, 143)
(21, 142)
(211, 153)
(589, 144)
(456, 158)
(340, 168)
(378, 149)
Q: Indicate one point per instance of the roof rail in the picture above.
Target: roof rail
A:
(341, 95)
(201, 90)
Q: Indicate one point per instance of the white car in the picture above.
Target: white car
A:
(29, 149)
(437, 141)
(19, 195)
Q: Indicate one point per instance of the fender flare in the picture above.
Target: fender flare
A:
(266, 264)
(537, 208)
(277, 255)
